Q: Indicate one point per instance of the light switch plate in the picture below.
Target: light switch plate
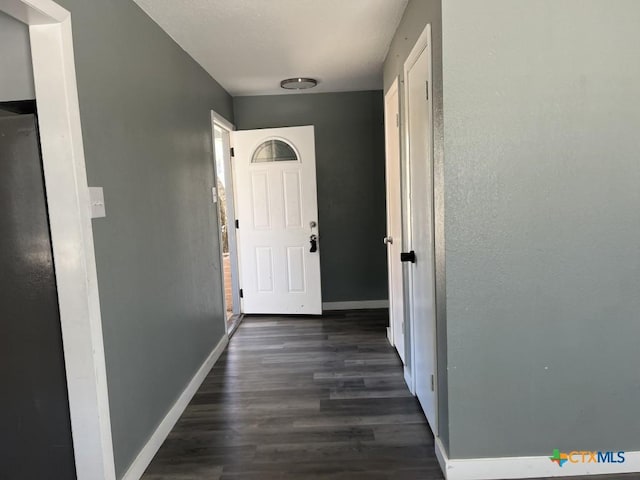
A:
(96, 196)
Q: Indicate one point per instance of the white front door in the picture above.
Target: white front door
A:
(393, 238)
(421, 236)
(277, 213)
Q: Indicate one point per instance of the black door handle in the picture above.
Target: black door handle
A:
(408, 257)
(314, 243)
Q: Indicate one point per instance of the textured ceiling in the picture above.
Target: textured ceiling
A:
(250, 45)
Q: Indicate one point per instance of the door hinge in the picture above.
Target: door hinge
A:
(402, 326)
(433, 384)
(397, 119)
(233, 152)
(241, 294)
(237, 223)
(427, 88)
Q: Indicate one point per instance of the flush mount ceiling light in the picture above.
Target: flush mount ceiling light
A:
(298, 83)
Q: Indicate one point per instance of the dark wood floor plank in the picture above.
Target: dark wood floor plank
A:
(303, 398)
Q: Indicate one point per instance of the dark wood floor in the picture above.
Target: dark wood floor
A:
(304, 399)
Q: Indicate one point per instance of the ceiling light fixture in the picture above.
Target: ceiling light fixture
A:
(298, 83)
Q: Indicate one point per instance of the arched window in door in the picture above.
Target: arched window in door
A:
(274, 151)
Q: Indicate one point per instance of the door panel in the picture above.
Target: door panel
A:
(422, 272)
(292, 199)
(35, 425)
(394, 219)
(264, 271)
(295, 269)
(261, 204)
(275, 187)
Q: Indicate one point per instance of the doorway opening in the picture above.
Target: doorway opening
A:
(70, 230)
(32, 348)
(224, 222)
(224, 198)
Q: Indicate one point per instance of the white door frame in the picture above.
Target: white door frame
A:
(424, 41)
(69, 211)
(393, 89)
(219, 121)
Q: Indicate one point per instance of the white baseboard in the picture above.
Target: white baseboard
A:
(408, 379)
(526, 467)
(142, 461)
(356, 305)
(441, 455)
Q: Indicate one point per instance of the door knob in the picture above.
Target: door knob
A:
(314, 243)
(387, 240)
(408, 257)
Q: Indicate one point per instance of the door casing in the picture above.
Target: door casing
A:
(394, 217)
(227, 127)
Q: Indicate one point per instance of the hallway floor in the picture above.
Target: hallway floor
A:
(304, 399)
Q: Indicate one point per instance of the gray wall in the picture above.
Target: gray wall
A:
(417, 15)
(543, 231)
(16, 72)
(144, 107)
(350, 175)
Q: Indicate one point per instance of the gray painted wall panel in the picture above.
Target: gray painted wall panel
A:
(417, 15)
(350, 176)
(16, 71)
(145, 112)
(543, 230)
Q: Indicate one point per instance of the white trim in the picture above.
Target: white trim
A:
(392, 89)
(142, 461)
(35, 12)
(222, 121)
(416, 51)
(355, 305)
(407, 231)
(223, 292)
(526, 467)
(408, 379)
(219, 121)
(71, 232)
(441, 455)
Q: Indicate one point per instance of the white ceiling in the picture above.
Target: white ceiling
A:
(249, 46)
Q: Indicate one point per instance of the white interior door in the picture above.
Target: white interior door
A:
(421, 238)
(393, 238)
(277, 212)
